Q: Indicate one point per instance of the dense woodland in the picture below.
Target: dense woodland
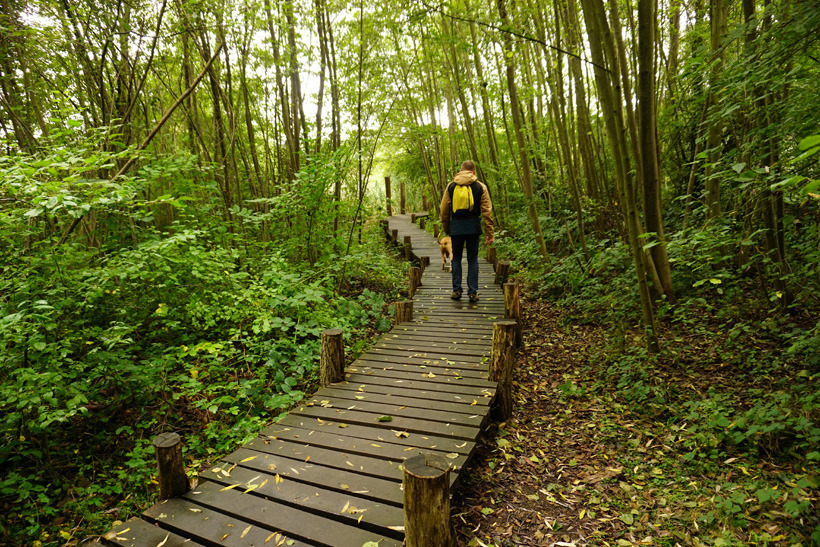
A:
(189, 195)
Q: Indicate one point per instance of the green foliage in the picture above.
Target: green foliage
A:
(183, 324)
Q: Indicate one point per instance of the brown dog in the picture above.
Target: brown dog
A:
(446, 245)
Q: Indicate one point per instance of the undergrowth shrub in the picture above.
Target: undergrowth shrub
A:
(176, 332)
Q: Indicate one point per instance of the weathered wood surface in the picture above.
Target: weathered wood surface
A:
(330, 472)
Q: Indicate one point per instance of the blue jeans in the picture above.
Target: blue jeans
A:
(471, 241)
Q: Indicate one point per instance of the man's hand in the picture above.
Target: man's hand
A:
(490, 240)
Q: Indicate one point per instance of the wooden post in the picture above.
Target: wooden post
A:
(435, 230)
(415, 280)
(403, 198)
(173, 482)
(404, 311)
(491, 257)
(422, 224)
(412, 218)
(501, 365)
(512, 310)
(427, 502)
(502, 271)
(408, 248)
(394, 235)
(424, 261)
(332, 358)
(387, 194)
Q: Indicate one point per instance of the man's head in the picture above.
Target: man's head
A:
(468, 165)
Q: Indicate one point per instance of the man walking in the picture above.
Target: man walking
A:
(464, 204)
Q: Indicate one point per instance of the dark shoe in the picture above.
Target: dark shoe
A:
(456, 295)
(474, 297)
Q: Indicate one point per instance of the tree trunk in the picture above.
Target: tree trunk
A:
(519, 135)
(650, 170)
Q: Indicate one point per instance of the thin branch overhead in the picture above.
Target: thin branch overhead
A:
(440, 9)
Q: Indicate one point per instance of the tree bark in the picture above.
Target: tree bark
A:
(526, 179)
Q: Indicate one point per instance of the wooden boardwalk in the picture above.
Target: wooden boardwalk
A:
(330, 473)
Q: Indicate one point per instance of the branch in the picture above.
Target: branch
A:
(514, 33)
(151, 135)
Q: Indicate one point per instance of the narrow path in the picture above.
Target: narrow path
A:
(329, 473)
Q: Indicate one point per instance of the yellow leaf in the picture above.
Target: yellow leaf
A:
(744, 470)
(229, 487)
(247, 459)
(245, 531)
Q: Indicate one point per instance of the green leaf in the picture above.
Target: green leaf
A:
(808, 142)
(807, 154)
(627, 518)
(738, 167)
(487, 511)
(791, 181)
(385, 418)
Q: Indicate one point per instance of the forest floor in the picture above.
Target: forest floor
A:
(576, 464)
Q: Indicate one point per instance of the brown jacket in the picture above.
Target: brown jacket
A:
(464, 178)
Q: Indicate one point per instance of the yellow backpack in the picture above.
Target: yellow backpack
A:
(462, 199)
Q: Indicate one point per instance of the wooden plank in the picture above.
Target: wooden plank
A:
(411, 404)
(416, 364)
(420, 353)
(273, 489)
(223, 519)
(437, 367)
(357, 378)
(434, 375)
(345, 455)
(135, 532)
(407, 393)
(390, 407)
(451, 348)
(356, 439)
(426, 329)
(351, 415)
(462, 339)
(435, 332)
(313, 474)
